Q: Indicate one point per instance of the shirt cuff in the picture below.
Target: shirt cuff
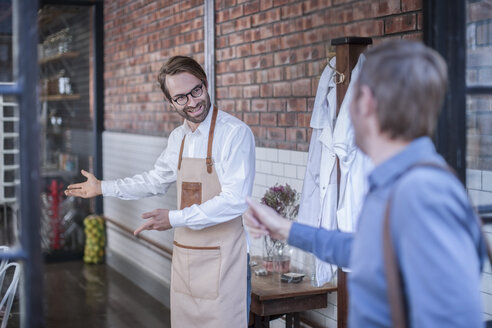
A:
(176, 218)
(108, 188)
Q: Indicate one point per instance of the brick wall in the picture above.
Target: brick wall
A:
(269, 57)
(271, 53)
(138, 37)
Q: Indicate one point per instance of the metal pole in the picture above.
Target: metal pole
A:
(25, 31)
(210, 47)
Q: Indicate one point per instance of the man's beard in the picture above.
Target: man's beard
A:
(200, 118)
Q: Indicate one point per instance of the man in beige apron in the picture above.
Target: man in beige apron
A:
(211, 157)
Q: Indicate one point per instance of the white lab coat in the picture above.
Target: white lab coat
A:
(333, 137)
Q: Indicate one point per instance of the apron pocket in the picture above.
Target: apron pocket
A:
(196, 271)
(191, 193)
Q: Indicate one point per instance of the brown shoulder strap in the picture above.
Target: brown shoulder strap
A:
(181, 153)
(210, 140)
(396, 298)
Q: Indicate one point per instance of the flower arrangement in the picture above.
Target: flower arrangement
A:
(285, 201)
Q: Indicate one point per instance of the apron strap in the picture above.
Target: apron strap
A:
(181, 153)
(396, 298)
(210, 141)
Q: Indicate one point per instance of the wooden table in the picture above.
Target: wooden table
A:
(271, 299)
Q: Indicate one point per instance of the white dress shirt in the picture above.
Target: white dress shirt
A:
(233, 154)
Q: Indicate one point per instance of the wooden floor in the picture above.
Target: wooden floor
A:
(81, 295)
(77, 295)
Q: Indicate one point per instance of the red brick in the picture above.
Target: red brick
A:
(371, 28)
(243, 50)
(237, 38)
(275, 74)
(261, 76)
(309, 53)
(252, 118)
(389, 7)
(226, 53)
(301, 87)
(259, 132)
(266, 17)
(244, 78)
(226, 105)
(290, 41)
(242, 105)
(411, 5)
(295, 71)
(287, 119)
(266, 4)
(242, 23)
(303, 120)
(235, 92)
(296, 135)
(251, 91)
(268, 119)
(276, 133)
(266, 90)
(266, 32)
(296, 105)
(282, 89)
(221, 93)
(252, 7)
(402, 23)
(314, 5)
(293, 10)
(277, 104)
(227, 79)
(277, 3)
(257, 62)
(236, 65)
(258, 105)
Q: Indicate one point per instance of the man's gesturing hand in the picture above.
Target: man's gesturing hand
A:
(262, 220)
(90, 188)
(156, 220)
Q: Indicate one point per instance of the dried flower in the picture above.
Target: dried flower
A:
(283, 199)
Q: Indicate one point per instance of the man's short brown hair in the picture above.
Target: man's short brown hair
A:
(408, 81)
(180, 64)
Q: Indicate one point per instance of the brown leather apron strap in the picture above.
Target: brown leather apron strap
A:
(210, 141)
(181, 153)
(393, 276)
(396, 298)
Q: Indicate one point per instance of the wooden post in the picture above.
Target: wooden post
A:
(348, 50)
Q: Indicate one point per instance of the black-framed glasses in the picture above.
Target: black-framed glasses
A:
(195, 93)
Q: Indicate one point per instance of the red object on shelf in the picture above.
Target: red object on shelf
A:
(56, 193)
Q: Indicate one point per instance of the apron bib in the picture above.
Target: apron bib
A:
(208, 279)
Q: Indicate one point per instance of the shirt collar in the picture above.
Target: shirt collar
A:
(419, 150)
(204, 127)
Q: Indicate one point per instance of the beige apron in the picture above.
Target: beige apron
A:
(208, 280)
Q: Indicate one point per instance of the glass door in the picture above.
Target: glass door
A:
(479, 103)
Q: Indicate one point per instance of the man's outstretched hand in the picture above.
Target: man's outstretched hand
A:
(88, 189)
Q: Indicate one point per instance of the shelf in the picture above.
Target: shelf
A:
(60, 97)
(65, 55)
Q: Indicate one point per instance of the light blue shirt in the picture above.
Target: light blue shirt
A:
(436, 237)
